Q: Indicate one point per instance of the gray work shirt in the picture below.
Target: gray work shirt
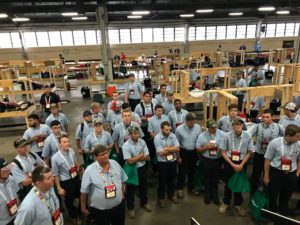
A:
(177, 118)
(279, 148)
(94, 181)
(155, 122)
(241, 83)
(225, 124)
(109, 105)
(27, 163)
(259, 102)
(64, 121)
(285, 121)
(100, 116)
(82, 131)
(187, 136)
(62, 162)
(34, 211)
(31, 132)
(160, 142)
(265, 134)
(111, 118)
(101, 139)
(51, 146)
(168, 106)
(243, 143)
(161, 98)
(205, 137)
(8, 192)
(121, 134)
(135, 117)
(131, 149)
(134, 90)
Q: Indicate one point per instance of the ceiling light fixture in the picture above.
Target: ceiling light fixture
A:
(266, 9)
(140, 12)
(134, 17)
(3, 15)
(283, 12)
(187, 15)
(204, 10)
(80, 18)
(20, 19)
(69, 14)
(235, 14)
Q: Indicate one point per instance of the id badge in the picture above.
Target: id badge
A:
(131, 91)
(56, 217)
(110, 191)
(286, 164)
(126, 138)
(40, 144)
(73, 172)
(264, 144)
(12, 207)
(170, 157)
(213, 151)
(47, 106)
(235, 155)
(178, 124)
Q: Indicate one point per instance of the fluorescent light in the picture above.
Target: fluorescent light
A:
(266, 9)
(204, 10)
(140, 13)
(20, 19)
(3, 15)
(69, 14)
(134, 17)
(186, 15)
(235, 14)
(80, 18)
(283, 12)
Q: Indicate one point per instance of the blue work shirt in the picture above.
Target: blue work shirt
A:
(187, 137)
(134, 90)
(82, 131)
(155, 122)
(64, 121)
(177, 118)
(31, 132)
(160, 142)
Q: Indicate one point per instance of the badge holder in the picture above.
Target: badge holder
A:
(73, 172)
(56, 217)
(40, 142)
(110, 191)
(213, 151)
(12, 207)
(178, 124)
(47, 106)
(148, 116)
(235, 155)
(264, 144)
(131, 91)
(286, 164)
(170, 157)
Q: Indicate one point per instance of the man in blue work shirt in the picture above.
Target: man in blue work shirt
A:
(133, 91)
(56, 115)
(161, 97)
(177, 115)
(169, 103)
(291, 116)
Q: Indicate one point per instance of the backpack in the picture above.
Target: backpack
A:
(17, 162)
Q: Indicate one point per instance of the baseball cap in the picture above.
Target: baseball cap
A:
(170, 93)
(290, 106)
(20, 142)
(237, 120)
(3, 163)
(119, 104)
(87, 113)
(53, 105)
(97, 120)
(211, 123)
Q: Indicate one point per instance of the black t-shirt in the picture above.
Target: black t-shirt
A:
(45, 101)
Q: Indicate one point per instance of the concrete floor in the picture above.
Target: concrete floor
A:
(190, 206)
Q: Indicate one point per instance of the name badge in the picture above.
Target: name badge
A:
(40, 144)
(286, 164)
(73, 172)
(47, 106)
(264, 144)
(170, 157)
(110, 191)
(56, 217)
(235, 155)
(12, 207)
(178, 124)
(213, 151)
(131, 91)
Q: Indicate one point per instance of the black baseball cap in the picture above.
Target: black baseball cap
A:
(20, 142)
(3, 163)
(87, 113)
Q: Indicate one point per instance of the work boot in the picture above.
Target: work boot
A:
(131, 213)
(147, 207)
(162, 203)
(223, 208)
(180, 194)
(241, 211)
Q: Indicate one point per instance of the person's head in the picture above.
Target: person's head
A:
(147, 97)
(101, 154)
(87, 116)
(42, 178)
(118, 106)
(159, 110)
(54, 109)
(47, 89)
(33, 120)
(95, 107)
(178, 104)
(115, 96)
(134, 133)
(20, 145)
(290, 109)
(97, 123)
(4, 169)
(190, 119)
(64, 142)
(55, 127)
(126, 116)
(237, 125)
(165, 128)
(233, 110)
(131, 77)
(211, 126)
(126, 106)
(292, 133)
(163, 88)
(170, 96)
(239, 74)
(150, 90)
(267, 116)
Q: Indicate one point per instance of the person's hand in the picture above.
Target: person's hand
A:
(266, 180)
(61, 192)
(80, 170)
(163, 152)
(85, 212)
(239, 168)
(236, 168)
(144, 118)
(80, 151)
(298, 173)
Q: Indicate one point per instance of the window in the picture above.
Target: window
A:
(280, 29)
(158, 34)
(98, 35)
(296, 29)
(78, 36)
(168, 34)
(54, 37)
(289, 29)
(231, 31)
(221, 32)
(42, 39)
(90, 37)
(200, 33)
(5, 40)
(147, 35)
(263, 34)
(67, 38)
(29, 39)
(210, 33)
(270, 30)
(125, 36)
(136, 35)
(15, 38)
(113, 36)
(192, 33)
(241, 31)
(251, 30)
(179, 33)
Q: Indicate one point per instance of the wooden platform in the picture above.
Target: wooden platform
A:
(24, 114)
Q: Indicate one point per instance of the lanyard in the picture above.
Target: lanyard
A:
(166, 141)
(132, 85)
(212, 137)
(48, 203)
(26, 166)
(177, 117)
(126, 129)
(66, 159)
(55, 141)
(90, 128)
(241, 141)
(48, 101)
(263, 131)
(96, 139)
(101, 172)
(10, 195)
(282, 148)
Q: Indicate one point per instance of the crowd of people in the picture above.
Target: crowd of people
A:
(146, 134)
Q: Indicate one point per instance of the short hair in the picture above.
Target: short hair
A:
(164, 124)
(62, 136)
(95, 104)
(158, 106)
(233, 106)
(125, 105)
(99, 149)
(133, 129)
(55, 123)
(131, 75)
(147, 92)
(163, 85)
(33, 116)
(268, 110)
(190, 116)
(115, 92)
(291, 130)
(177, 100)
(38, 173)
(126, 111)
